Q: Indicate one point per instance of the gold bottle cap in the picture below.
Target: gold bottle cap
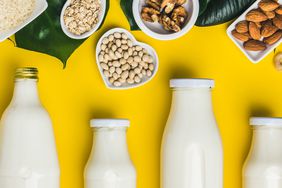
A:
(26, 73)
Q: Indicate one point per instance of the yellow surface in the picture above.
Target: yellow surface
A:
(75, 95)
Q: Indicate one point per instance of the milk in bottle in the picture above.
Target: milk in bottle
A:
(28, 157)
(192, 155)
(263, 167)
(109, 165)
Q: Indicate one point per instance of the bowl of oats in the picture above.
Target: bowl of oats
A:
(16, 14)
(165, 19)
(81, 18)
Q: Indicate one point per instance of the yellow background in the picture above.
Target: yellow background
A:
(76, 94)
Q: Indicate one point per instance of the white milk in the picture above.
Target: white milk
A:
(263, 167)
(109, 165)
(28, 157)
(192, 155)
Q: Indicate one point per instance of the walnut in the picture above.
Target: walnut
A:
(150, 14)
(168, 5)
(169, 24)
(156, 4)
(179, 15)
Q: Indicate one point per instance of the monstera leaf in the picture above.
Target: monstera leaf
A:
(212, 12)
(126, 6)
(215, 12)
(46, 36)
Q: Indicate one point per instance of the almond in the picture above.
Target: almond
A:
(254, 31)
(241, 36)
(273, 38)
(268, 5)
(277, 21)
(254, 45)
(256, 16)
(268, 29)
(279, 10)
(270, 14)
(242, 27)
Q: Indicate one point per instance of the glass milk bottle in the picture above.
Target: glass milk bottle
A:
(192, 155)
(263, 167)
(28, 156)
(109, 165)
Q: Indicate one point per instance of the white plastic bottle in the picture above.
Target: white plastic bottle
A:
(192, 155)
(109, 165)
(28, 157)
(263, 167)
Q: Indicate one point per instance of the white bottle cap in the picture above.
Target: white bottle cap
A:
(265, 121)
(98, 123)
(192, 83)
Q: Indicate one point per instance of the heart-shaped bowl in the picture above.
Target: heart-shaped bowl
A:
(253, 56)
(88, 33)
(147, 47)
(156, 31)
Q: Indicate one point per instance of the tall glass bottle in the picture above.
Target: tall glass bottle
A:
(263, 167)
(192, 154)
(109, 164)
(28, 156)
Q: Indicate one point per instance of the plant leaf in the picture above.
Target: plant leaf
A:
(46, 36)
(126, 6)
(221, 11)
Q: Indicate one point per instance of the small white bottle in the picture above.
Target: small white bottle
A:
(192, 155)
(263, 167)
(109, 165)
(28, 156)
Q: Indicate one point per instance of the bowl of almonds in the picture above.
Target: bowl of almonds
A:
(165, 19)
(258, 30)
(124, 62)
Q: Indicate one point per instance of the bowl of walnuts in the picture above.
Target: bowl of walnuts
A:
(165, 19)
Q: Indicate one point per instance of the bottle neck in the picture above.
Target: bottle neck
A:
(194, 100)
(25, 92)
(267, 142)
(110, 144)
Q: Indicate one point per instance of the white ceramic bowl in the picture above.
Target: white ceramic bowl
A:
(40, 7)
(155, 30)
(253, 56)
(150, 50)
(87, 34)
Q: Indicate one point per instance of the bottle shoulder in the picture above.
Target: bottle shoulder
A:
(23, 113)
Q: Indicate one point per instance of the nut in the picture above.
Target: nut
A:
(254, 45)
(150, 14)
(277, 21)
(268, 5)
(273, 38)
(268, 29)
(168, 5)
(156, 4)
(254, 31)
(279, 10)
(169, 24)
(256, 16)
(242, 27)
(179, 15)
(241, 36)
(270, 14)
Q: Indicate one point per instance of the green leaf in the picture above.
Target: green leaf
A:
(46, 36)
(221, 11)
(126, 6)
